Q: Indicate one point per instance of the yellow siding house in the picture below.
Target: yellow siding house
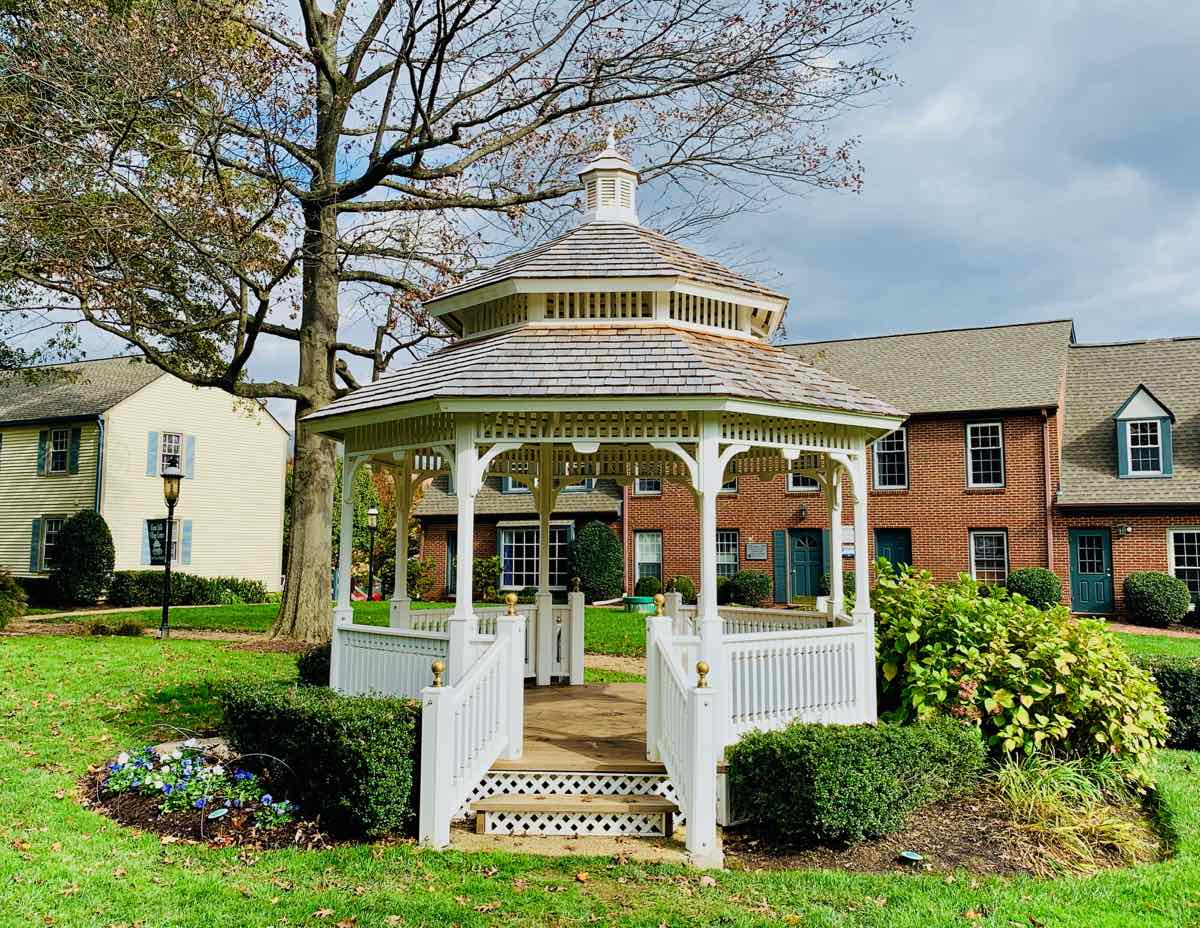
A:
(94, 435)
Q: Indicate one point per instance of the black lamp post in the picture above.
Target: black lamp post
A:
(171, 476)
(372, 524)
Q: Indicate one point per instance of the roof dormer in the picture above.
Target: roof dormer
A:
(610, 186)
(1144, 436)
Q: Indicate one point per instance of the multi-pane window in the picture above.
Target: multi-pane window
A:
(170, 450)
(1145, 447)
(891, 461)
(588, 484)
(519, 556)
(989, 557)
(157, 532)
(727, 552)
(58, 453)
(50, 531)
(646, 486)
(729, 486)
(802, 483)
(1185, 559)
(1089, 554)
(985, 454)
(508, 485)
(648, 554)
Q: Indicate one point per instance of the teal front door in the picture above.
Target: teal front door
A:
(1091, 570)
(807, 558)
(895, 544)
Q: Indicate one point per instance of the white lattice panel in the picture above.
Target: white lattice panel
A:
(569, 783)
(401, 433)
(787, 433)
(584, 426)
(645, 825)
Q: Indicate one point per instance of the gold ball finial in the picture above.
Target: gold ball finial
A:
(576, 585)
(659, 602)
(439, 668)
(511, 599)
(701, 674)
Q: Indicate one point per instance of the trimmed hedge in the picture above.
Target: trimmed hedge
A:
(352, 760)
(85, 559)
(836, 784)
(145, 588)
(684, 586)
(596, 558)
(750, 587)
(1156, 599)
(313, 665)
(1178, 680)
(12, 598)
(1038, 585)
(647, 586)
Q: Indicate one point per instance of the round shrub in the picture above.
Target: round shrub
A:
(1178, 680)
(647, 586)
(1037, 584)
(598, 562)
(85, 559)
(685, 588)
(750, 588)
(1156, 599)
(313, 665)
(12, 599)
(1031, 679)
(724, 591)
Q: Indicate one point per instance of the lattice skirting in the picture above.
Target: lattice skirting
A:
(567, 783)
(592, 824)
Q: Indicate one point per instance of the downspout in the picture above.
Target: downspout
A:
(99, 461)
(1046, 476)
(627, 569)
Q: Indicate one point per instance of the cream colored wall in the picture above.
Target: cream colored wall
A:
(25, 495)
(235, 498)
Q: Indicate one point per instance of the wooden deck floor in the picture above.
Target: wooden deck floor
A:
(597, 727)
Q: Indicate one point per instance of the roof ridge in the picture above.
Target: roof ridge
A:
(115, 357)
(1166, 339)
(966, 328)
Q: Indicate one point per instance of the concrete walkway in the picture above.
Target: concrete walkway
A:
(1129, 629)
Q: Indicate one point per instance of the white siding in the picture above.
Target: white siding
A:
(26, 495)
(234, 501)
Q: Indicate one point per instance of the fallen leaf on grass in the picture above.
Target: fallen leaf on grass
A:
(707, 880)
(488, 906)
(322, 913)
(582, 876)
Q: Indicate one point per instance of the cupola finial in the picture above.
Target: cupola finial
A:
(610, 186)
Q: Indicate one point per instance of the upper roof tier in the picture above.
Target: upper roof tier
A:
(610, 270)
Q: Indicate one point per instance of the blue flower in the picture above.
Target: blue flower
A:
(240, 774)
(237, 803)
(266, 799)
(200, 803)
(167, 787)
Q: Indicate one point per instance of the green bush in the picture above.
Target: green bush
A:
(684, 587)
(145, 588)
(825, 587)
(750, 587)
(1178, 680)
(422, 577)
(312, 666)
(121, 627)
(647, 586)
(596, 559)
(1156, 599)
(353, 760)
(1031, 679)
(724, 590)
(12, 599)
(1040, 586)
(485, 579)
(833, 784)
(38, 591)
(84, 561)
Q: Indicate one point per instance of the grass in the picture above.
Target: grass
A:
(614, 631)
(1154, 645)
(62, 865)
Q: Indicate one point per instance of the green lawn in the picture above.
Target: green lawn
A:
(70, 702)
(614, 631)
(1160, 644)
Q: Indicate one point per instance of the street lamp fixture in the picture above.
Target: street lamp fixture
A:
(172, 478)
(372, 524)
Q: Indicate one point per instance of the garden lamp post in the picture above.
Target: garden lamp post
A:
(171, 476)
(372, 524)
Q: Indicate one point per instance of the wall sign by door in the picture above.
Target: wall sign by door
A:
(756, 551)
(157, 531)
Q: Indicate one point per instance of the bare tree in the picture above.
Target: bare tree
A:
(204, 177)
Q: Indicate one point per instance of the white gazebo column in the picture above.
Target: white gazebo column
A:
(833, 494)
(398, 611)
(545, 645)
(467, 480)
(864, 615)
(343, 610)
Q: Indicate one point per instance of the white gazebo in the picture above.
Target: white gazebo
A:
(608, 353)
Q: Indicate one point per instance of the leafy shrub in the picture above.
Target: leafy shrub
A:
(145, 588)
(724, 590)
(122, 627)
(685, 587)
(1178, 680)
(485, 579)
(12, 599)
(527, 594)
(825, 584)
(422, 577)
(596, 559)
(1040, 586)
(833, 784)
(647, 586)
(750, 587)
(312, 665)
(1031, 679)
(1156, 599)
(354, 759)
(85, 559)
(38, 591)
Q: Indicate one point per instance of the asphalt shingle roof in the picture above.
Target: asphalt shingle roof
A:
(1099, 379)
(66, 391)
(619, 361)
(958, 370)
(437, 500)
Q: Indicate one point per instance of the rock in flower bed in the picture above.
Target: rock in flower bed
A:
(189, 790)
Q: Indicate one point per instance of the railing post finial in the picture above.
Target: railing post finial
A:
(511, 600)
(659, 602)
(576, 585)
(701, 674)
(439, 668)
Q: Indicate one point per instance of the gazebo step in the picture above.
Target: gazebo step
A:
(576, 815)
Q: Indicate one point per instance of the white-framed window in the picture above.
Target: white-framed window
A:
(647, 486)
(58, 451)
(588, 484)
(170, 450)
(648, 548)
(989, 556)
(157, 532)
(51, 528)
(1144, 442)
(985, 454)
(508, 485)
(519, 556)
(802, 483)
(729, 486)
(727, 552)
(1183, 553)
(890, 455)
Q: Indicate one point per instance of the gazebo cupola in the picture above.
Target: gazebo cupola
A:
(610, 187)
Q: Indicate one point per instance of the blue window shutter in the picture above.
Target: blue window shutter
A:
(146, 542)
(1122, 449)
(73, 458)
(35, 545)
(189, 456)
(43, 438)
(152, 454)
(185, 541)
(779, 543)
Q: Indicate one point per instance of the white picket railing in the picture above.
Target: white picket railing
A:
(466, 727)
(370, 660)
(744, 620)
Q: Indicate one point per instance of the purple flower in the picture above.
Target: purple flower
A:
(167, 787)
(200, 803)
(266, 799)
(240, 774)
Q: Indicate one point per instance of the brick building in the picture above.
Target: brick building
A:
(1023, 449)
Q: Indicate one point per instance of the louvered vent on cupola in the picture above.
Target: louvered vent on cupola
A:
(610, 187)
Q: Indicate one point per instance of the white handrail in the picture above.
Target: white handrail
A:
(371, 660)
